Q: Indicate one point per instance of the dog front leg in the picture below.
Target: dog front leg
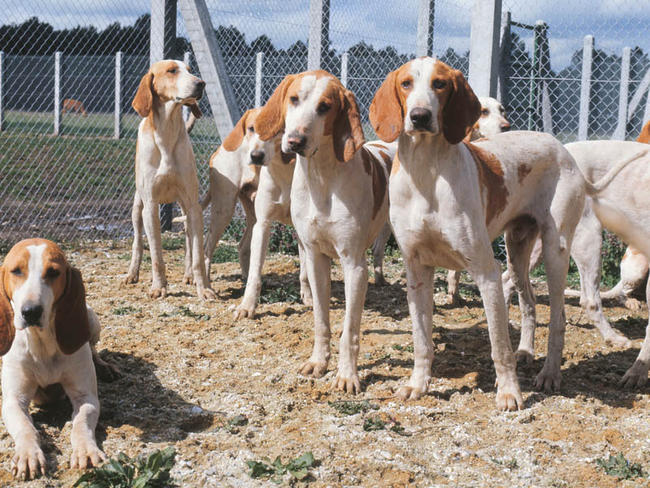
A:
(194, 225)
(136, 252)
(305, 289)
(488, 280)
(152, 229)
(318, 271)
(419, 292)
(17, 393)
(637, 375)
(259, 243)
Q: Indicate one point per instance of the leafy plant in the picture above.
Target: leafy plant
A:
(612, 253)
(186, 311)
(173, 242)
(126, 310)
(283, 239)
(225, 254)
(125, 472)
(399, 347)
(352, 408)
(287, 293)
(373, 423)
(235, 422)
(621, 468)
(298, 468)
(511, 464)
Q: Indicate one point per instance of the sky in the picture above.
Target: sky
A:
(614, 23)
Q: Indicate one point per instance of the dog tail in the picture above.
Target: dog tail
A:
(204, 204)
(594, 188)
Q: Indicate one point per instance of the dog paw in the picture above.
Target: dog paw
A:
(636, 376)
(347, 383)
(619, 340)
(633, 304)
(188, 279)
(305, 296)
(244, 312)
(509, 397)
(131, 278)
(548, 379)
(410, 392)
(206, 293)
(28, 463)
(315, 369)
(158, 292)
(86, 456)
(523, 356)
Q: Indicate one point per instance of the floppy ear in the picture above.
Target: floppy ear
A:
(270, 120)
(7, 330)
(287, 158)
(386, 113)
(347, 134)
(461, 111)
(196, 111)
(144, 96)
(71, 319)
(233, 141)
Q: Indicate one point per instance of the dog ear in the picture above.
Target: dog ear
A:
(461, 111)
(196, 111)
(386, 112)
(7, 330)
(71, 319)
(236, 136)
(270, 120)
(347, 134)
(287, 158)
(144, 96)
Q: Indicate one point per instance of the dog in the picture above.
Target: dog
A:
(491, 122)
(47, 337)
(72, 105)
(165, 170)
(339, 202)
(449, 199)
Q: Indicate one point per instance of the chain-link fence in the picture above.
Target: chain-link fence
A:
(79, 182)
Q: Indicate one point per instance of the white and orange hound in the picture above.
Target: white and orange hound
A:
(45, 329)
(450, 199)
(72, 105)
(339, 202)
(165, 171)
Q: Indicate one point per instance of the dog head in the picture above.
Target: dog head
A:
(39, 288)
(312, 108)
(424, 96)
(492, 120)
(168, 81)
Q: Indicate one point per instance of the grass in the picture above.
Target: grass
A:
(621, 468)
(351, 407)
(225, 253)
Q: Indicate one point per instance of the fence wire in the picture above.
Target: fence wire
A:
(80, 183)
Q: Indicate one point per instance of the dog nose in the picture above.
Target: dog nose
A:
(297, 142)
(200, 84)
(32, 313)
(505, 127)
(257, 157)
(421, 117)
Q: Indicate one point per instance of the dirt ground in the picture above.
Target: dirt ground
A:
(189, 370)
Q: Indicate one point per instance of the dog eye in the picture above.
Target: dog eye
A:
(16, 272)
(485, 112)
(322, 108)
(172, 70)
(406, 84)
(251, 129)
(438, 84)
(293, 100)
(52, 273)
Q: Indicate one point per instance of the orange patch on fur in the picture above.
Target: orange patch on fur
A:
(373, 167)
(490, 174)
(523, 171)
(644, 136)
(396, 164)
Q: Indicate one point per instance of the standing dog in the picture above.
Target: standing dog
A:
(165, 170)
(450, 199)
(339, 202)
(45, 328)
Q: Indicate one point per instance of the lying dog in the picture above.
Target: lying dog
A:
(165, 171)
(45, 329)
(340, 202)
(450, 199)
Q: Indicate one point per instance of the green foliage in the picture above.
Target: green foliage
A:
(399, 347)
(124, 472)
(185, 311)
(351, 407)
(283, 239)
(298, 468)
(621, 468)
(511, 463)
(225, 254)
(126, 310)
(171, 242)
(286, 294)
(612, 253)
(373, 423)
(235, 422)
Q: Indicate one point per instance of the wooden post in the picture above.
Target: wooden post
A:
(117, 130)
(585, 87)
(259, 61)
(504, 59)
(319, 14)
(57, 93)
(484, 47)
(186, 109)
(620, 131)
(344, 68)
(2, 91)
(424, 39)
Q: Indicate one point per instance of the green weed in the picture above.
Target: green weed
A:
(297, 468)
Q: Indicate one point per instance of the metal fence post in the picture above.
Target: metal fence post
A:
(504, 59)
(344, 68)
(259, 60)
(585, 87)
(646, 113)
(57, 93)
(117, 130)
(186, 109)
(619, 133)
(424, 39)
(319, 11)
(484, 47)
(2, 90)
